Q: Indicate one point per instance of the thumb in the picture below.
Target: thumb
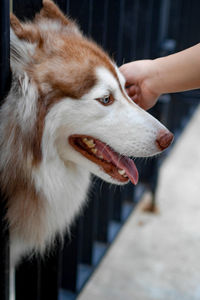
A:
(128, 75)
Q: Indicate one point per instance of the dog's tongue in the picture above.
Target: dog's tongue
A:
(129, 166)
(120, 161)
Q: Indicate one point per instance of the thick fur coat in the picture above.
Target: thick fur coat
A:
(67, 115)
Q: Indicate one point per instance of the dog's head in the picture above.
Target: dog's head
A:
(76, 106)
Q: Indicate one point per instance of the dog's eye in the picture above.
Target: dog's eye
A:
(107, 100)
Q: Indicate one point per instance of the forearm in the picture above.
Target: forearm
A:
(177, 72)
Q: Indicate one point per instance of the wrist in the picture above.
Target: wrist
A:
(152, 79)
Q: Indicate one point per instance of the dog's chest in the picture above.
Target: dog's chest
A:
(64, 192)
(65, 189)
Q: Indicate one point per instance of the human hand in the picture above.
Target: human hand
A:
(140, 76)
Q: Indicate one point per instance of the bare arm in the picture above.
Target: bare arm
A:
(179, 71)
(148, 79)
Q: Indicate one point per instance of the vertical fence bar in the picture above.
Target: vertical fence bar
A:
(79, 10)
(117, 203)
(70, 260)
(120, 33)
(50, 274)
(164, 29)
(90, 17)
(148, 26)
(4, 254)
(99, 27)
(141, 33)
(104, 213)
(63, 5)
(113, 31)
(4, 87)
(27, 280)
(183, 27)
(130, 26)
(88, 233)
(39, 279)
(4, 49)
(26, 9)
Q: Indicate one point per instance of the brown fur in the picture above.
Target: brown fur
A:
(50, 10)
(25, 31)
(57, 58)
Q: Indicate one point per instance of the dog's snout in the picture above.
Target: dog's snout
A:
(164, 139)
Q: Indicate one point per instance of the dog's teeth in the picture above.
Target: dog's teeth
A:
(100, 156)
(90, 143)
(94, 150)
(122, 172)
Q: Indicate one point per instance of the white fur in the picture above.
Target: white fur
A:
(21, 53)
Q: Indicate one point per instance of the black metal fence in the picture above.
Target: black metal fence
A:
(127, 29)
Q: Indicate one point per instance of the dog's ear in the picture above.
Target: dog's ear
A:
(51, 11)
(24, 31)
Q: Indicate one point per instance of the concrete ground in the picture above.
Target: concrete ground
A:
(157, 256)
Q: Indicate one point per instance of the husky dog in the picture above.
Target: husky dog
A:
(67, 115)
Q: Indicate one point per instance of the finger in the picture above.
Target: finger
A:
(132, 90)
(128, 84)
(130, 94)
(137, 90)
(125, 70)
(135, 99)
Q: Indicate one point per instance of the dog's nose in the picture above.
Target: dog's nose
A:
(164, 139)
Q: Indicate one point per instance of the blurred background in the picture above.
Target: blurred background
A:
(155, 255)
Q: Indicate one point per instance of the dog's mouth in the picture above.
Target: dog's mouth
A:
(119, 167)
